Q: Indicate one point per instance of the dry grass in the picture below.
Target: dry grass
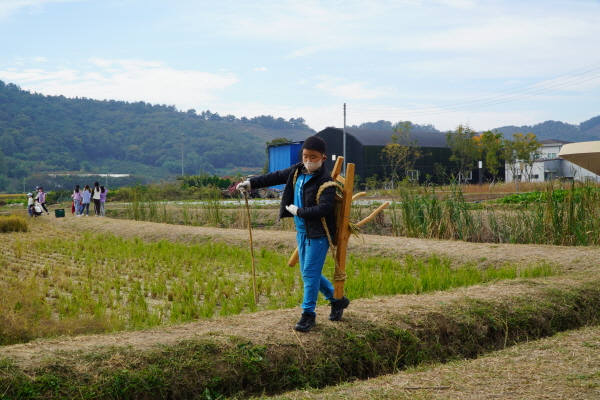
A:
(13, 223)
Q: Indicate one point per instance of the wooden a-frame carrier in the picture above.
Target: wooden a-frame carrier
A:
(344, 202)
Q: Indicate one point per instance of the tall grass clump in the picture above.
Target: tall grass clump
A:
(567, 217)
(429, 215)
(13, 223)
(556, 216)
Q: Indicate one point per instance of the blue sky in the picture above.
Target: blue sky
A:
(444, 62)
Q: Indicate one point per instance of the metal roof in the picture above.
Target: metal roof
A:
(583, 154)
(378, 137)
(553, 142)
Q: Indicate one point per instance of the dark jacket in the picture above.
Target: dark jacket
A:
(311, 212)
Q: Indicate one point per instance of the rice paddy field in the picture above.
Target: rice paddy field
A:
(58, 281)
(161, 305)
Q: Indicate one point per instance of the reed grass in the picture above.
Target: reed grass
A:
(60, 283)
(569, 217)
(558, 213)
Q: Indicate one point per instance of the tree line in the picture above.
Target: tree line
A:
(467, 148)
(42, 134)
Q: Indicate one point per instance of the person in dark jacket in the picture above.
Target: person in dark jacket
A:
(299, 200)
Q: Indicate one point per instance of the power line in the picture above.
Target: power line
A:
(513, 95)
(326, 122)
(425, 112)
(326, 116)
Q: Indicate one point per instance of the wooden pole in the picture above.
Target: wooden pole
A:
(373, 214)
(251, 248)
(343, 234)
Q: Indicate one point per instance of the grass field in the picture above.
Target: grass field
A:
(415, 303)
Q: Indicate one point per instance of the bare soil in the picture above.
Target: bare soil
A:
(276, 326)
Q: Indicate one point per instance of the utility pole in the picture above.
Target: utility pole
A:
(344, 140)
(182, 145)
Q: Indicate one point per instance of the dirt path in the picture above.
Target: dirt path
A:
(269, 327)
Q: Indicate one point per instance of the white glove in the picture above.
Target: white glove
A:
(292, 208)
(243, 186)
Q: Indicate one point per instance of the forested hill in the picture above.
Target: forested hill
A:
(586, 131)
(47, 134)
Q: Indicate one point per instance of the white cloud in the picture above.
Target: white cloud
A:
(129, 80)
(502, 36)
(9, 7)
(261, 69)
(350, 90)
(316, 117)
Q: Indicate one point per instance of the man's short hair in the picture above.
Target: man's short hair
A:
(315, 143)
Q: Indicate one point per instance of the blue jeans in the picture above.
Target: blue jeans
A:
(77, 206)
(312, 253)
(86, 207)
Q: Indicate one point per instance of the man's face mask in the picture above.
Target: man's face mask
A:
(312, 160)
(312, 166)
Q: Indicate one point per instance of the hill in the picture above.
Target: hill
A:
(586, 131)
(49, 134)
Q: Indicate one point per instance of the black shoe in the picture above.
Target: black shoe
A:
(337, 308)
(306, 322)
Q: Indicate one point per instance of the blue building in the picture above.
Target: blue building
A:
(284, 155)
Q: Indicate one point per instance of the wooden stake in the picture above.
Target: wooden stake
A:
(343, 234)
(251, 248)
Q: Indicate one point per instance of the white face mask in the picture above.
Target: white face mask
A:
(312, 166)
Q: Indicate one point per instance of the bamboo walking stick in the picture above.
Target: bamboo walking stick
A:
(251, 248)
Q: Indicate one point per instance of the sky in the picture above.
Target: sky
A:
(481, 63)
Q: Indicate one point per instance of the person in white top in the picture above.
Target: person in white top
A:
(30, 204)
(96, 197)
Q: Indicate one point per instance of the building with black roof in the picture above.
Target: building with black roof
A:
(364, 148)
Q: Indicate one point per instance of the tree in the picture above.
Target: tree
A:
(464, 150)
(490, 151)
(520, 154)
(400, 154)
(3, 165)
(387, 125)
(381, 124)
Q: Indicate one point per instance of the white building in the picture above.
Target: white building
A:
(550, 166)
